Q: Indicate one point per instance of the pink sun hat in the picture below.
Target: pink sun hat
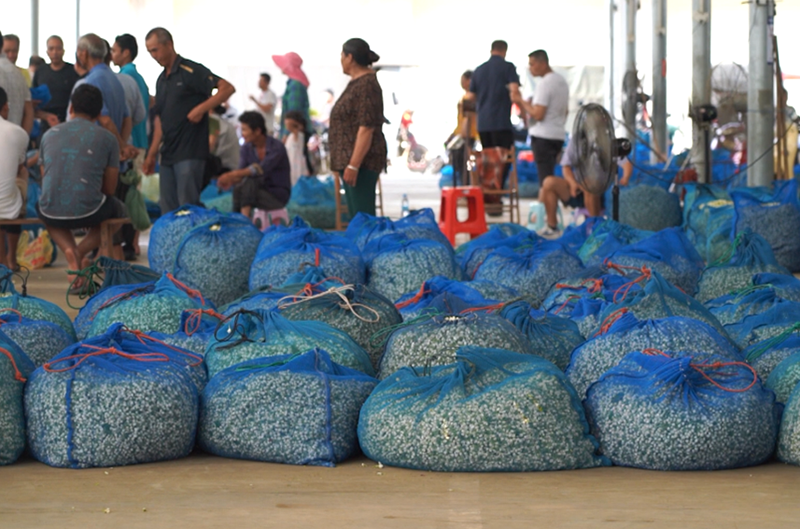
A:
(290, 66)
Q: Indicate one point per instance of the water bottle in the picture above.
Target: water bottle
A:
(404, 211)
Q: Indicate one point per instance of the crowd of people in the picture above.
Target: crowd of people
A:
(95, 125)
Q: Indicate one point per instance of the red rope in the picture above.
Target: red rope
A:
(141, 336)
(417, 297)
(195, 318)
(700, 367)
(98, 351)
(15, 311)
(570, 298)
(489, 308)
(611, 319)
(190, 291)
(626, 288)
(17, 373)
(316, 257)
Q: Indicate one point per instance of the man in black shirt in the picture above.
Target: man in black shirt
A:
(60, 77)
(491, 86)
(183, 99)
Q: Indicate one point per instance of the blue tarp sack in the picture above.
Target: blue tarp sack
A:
(551, 337)
(781, 317)
(672, 412)
(296, 249)
(785, 377)
(477, 414)
(749, 255)
(152, 307)
(84, 319)
(607, 237)
(397, 265)
(215, 258)
(575, 236)
(433, 341)
(658, 299)
(313, 199)
(29, 306)
(354, 309)
(708, 220)
(412, 305)
(606, 349)
(40, 340)
(789, 438)
(765, 356)
(775, 217)
(667, 251)
(15, 368)
(532, 269)
(295, 409)
(651, 208)
(420, 224)
(472, 254)
(249, 335)
(112, 400)
(168, 231)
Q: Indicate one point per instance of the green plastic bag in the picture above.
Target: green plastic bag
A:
(134, 201)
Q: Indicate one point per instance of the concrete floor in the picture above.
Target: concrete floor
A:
(207, 491)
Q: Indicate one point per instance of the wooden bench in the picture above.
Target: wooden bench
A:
(107, 230)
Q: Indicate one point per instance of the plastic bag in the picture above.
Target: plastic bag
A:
(35, 251)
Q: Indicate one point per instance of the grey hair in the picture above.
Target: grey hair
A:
(96, 46)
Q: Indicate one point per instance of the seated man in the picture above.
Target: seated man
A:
(570, 193)
(13, 182)
(80, 166)
(263, 179)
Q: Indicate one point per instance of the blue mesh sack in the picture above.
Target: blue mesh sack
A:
(785, 377)
(84, 319)
(472, 254)
(31, 307)
(667, 251)
(152, 307)
(775, 217)
(606, 238)
(749, 254)
(778, 320)
(295, 409)
(659, 299)
(708, 220)
(168, 231)
(295, 249)
(356, 310)
(551, 337)
(789, 437)
(575, 236)
(413, 304)
(215, 258)
(40, 340)
(267, 298)
(196, 329)
(420, 224)
(15, 368)
(106, 272)
(627, 334)
(313, 199)
(650, 208)
(112, 400)
(531, 269)
(489, 411)
(586, 314)
(733, 308)
(493, 290)
(786, 286)
(249, 335)
(766, 355)
(592, 283)
(397, 265)
(213, 197)
(675, 413)
(433, 341)
(273, 233)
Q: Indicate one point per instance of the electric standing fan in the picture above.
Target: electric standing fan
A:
(597, 151)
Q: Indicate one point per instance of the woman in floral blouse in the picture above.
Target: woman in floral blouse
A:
(356, 141)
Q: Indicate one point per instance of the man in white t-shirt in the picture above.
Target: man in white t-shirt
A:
(266, 102)
(13, 181)
(548, 110)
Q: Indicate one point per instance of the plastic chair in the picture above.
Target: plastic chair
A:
(511, 189)
(265, 218)
(475, 224)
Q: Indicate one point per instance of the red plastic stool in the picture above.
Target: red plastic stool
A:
(448, 212)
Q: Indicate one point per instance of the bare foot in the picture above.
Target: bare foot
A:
(72, 264)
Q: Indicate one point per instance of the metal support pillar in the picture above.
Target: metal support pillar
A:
(660, 133)
(610, 72)
(760, 102)
(34, 27)
(701, 85)
(631, 76)
(77, 21)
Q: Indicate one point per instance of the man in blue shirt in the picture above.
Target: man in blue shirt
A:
(492, 85)
(114, 117)
(123, 53)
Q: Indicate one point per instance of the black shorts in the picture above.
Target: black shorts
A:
(579, 202)
(112, 208)
(546, 154)
(497, 138)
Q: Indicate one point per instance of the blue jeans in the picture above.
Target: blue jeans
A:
(180, 184)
